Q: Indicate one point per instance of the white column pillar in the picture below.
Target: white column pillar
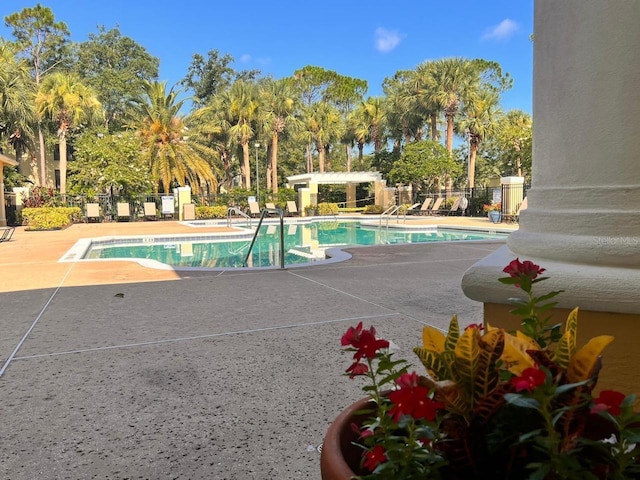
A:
(583, 217)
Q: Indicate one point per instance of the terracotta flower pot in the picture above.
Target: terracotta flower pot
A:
(340, 459)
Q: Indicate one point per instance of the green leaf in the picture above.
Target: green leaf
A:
(522, 401)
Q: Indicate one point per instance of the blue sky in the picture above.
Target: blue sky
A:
(367, 39)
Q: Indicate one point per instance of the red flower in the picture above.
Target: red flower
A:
(529, 380)
(374, 457)
(357, 369)
(412, 399)
(364, 341)
(608, 400)
(352, 335)
(518, 269)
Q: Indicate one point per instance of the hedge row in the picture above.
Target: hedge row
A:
(328, 209)
(50, 218)
(204, 213)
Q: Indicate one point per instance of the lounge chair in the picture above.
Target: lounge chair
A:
(254, 209)
(270, 206)
(515, 218)
(124, 212)
(150, 212)
(424, 209)
(436, 206)
(455, 207)
(412, 209)
(7, 233)
(92, 212)
(292, 208)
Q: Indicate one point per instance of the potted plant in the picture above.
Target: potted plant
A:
(493, 211)
(310, 210)
(486, 404)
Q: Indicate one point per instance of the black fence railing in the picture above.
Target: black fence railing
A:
(509, 196)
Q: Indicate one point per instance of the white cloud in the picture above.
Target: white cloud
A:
(502, 31)
(387, 40)
(245, 58)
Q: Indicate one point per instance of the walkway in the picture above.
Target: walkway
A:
(236, 375)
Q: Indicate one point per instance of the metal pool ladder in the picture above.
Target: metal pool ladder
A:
(265, 212)
(390, 211)
(237, 211)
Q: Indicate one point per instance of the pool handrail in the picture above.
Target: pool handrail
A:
(266, 212)
(388, 212)
(237, 211)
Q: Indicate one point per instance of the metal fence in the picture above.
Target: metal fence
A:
(477, 198)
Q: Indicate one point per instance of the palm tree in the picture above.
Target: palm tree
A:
(17, 93)
(323, 124)
(406, 115)
(172, 155)
(479, 122)
(65, 100)
(359, 128)
(279, 105)
(447, 82)
(375, 117)
(241, 104)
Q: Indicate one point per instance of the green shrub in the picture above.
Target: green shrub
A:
(286, 195)
(327, 209)
(404, 208)
(373, 209)
(218, 211)
(50, 218)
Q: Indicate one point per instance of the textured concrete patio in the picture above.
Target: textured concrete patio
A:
(112, 370)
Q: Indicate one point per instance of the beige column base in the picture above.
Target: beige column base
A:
(607, 297)
(619, 360)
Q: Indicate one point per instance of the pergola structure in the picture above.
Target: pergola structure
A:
(4, 161)
(308, 195)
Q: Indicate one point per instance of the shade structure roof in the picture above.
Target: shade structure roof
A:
(334, 178)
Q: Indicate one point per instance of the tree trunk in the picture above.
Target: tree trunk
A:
(348, 151)
(226, 164)
(327, 158)
(450, 134)
(472, 164)
(246, 166)
(309, 159)
(434, 127)
(43, 159)
(62, 137)
(320, 149)
(274, 163)
(361, 155)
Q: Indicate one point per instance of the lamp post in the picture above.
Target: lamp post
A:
(257, 146)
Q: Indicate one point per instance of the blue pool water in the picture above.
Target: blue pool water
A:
(304, 243)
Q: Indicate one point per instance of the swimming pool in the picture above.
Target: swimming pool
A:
(304, 243)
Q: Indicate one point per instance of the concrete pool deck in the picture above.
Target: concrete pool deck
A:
(119, 371)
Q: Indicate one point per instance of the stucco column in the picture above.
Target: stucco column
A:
(585, 202)
(583, 217)
(351, 195)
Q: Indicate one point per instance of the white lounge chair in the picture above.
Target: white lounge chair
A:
(254, 209)
(292, 208)
(124, 212)
(92, 212)
(150, 211)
